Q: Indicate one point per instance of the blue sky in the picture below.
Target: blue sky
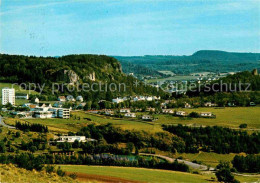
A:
(128, 27)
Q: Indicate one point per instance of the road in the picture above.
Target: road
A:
(189, 163)
(5, 125)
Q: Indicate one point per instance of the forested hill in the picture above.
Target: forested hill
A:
(200, 61)
(243, 82)
(73, 69)
(224, 56)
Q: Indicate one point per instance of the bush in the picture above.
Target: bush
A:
(243, 125)
(60, 172)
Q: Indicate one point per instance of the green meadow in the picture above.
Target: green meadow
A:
(138, 174)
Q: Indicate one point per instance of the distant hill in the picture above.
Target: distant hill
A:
(227, 56)
(200, 61)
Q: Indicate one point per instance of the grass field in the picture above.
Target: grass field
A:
(211, 159)
(138, 174)
(227, 117)
(17, 88)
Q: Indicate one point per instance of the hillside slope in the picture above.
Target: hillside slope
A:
(10, 173)
(74, 70)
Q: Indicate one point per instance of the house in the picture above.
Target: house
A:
(109, 113)
(117, 100)
(57, 104)
(36, 100)
(150, 109)
(71, 139)
(252, 104)
(167, 111)
(70, 98)
(149, 98)
(130, 115)
(187, 105)
(43, 114)
(206, 114)
(209, 104)
(61, 98)
(125, 110)
(80, 98)
(45, 105)
(147, 118)
(231, 104)
(181, 113)
(22, 96)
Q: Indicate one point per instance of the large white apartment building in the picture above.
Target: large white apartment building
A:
(8, 96)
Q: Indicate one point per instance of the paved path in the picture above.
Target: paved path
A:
(5, 125)
(189, 163)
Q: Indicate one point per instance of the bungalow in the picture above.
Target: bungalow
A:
(36, 100)
(109, 112)
(252, 104)
(130, 115)
(181, 113)
(206, 114)
(125, 110)
(167, 111)
(150, 109)
(187, 105)
(70, 98)
(147, 118)
(61, 98)
(80, 98)
(209, 104)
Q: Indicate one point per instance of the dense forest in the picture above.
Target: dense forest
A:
(201, 61)
(74, 70)
(216, 139)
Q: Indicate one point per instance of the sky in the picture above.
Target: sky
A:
(128, 27)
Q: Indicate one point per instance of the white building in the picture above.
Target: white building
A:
(167, 111)
(125, 110)
(60, 113)
(206, 114)
(130, 115)
(36, 100)
(147, 117)
(117, 100)
(8, 96)
(181, 113)
(71, 139)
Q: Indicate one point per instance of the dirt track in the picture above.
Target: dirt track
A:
(83, 177)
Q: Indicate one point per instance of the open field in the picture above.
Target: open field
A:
(138, 174)
(226, 117)
(173, 78)
(17, 88)
(211, 159)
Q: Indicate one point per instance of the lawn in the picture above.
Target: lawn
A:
(17, 88)
(227, 117)
(137, 174)
(211, 159)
